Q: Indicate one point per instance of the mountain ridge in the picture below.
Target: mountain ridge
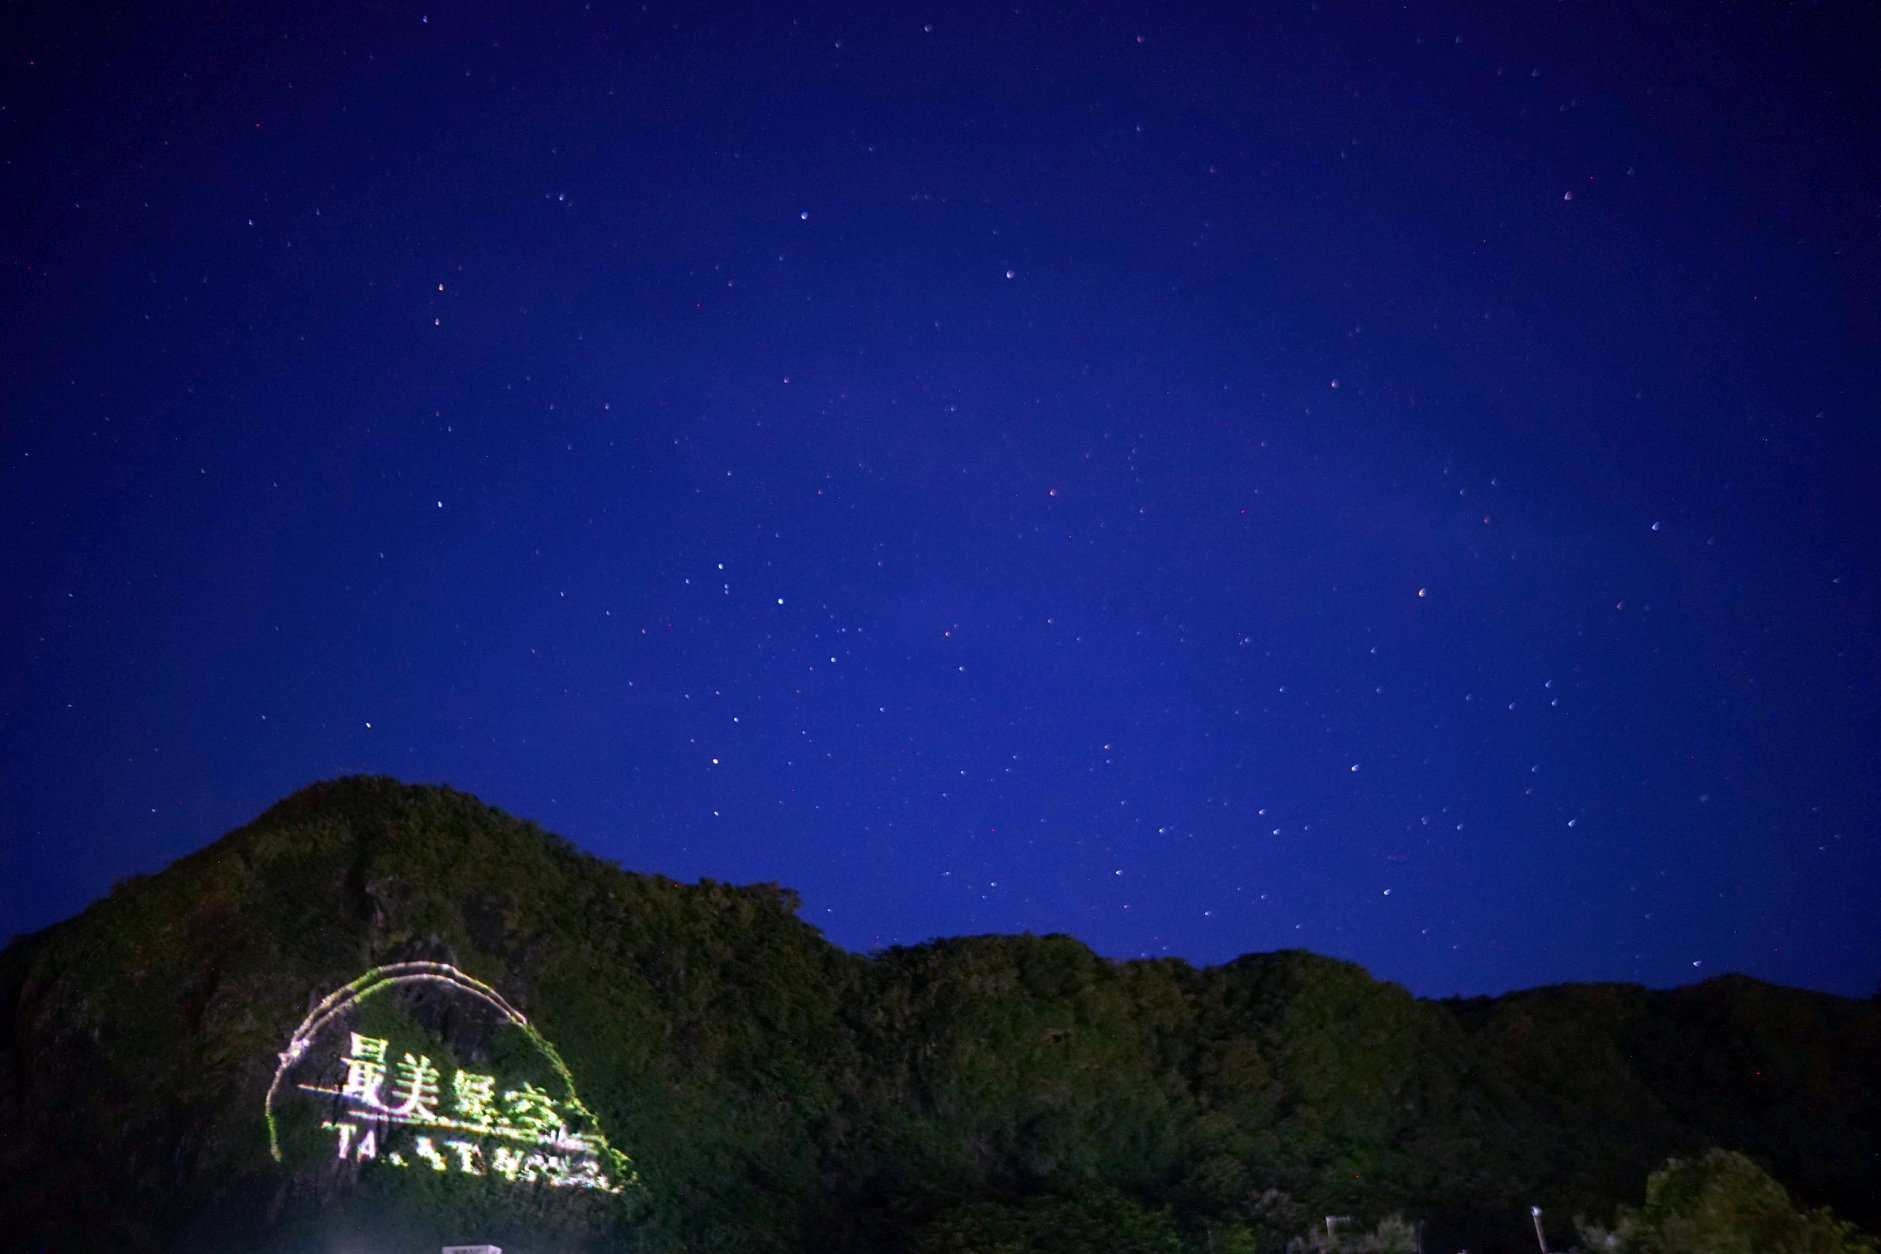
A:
(777, 1092)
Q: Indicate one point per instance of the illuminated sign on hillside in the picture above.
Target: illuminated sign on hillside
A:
(389, 1079)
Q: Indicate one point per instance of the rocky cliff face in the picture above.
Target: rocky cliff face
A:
(773, 1092)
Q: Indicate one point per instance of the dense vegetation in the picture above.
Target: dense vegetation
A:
(1723, 1203)
(979, 1094)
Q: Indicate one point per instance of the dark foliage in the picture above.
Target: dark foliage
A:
(1723, 1203)
(978, 1094)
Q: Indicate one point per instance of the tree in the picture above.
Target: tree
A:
(1393, 1235)
(1724, 1203)
(1095, 1220)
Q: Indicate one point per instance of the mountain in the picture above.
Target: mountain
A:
(552, 1053)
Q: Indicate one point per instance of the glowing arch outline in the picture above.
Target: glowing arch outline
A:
(377, 981)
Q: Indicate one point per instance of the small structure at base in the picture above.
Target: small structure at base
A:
(472, 1249)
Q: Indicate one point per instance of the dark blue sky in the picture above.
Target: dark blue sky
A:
(1393, 482)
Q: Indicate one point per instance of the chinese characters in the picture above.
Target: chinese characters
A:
(471, 1126)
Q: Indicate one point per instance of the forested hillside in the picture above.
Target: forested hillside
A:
(776, 1093)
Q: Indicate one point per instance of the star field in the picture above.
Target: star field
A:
(1394, 484)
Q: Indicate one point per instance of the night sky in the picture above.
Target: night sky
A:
(1389, 481)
